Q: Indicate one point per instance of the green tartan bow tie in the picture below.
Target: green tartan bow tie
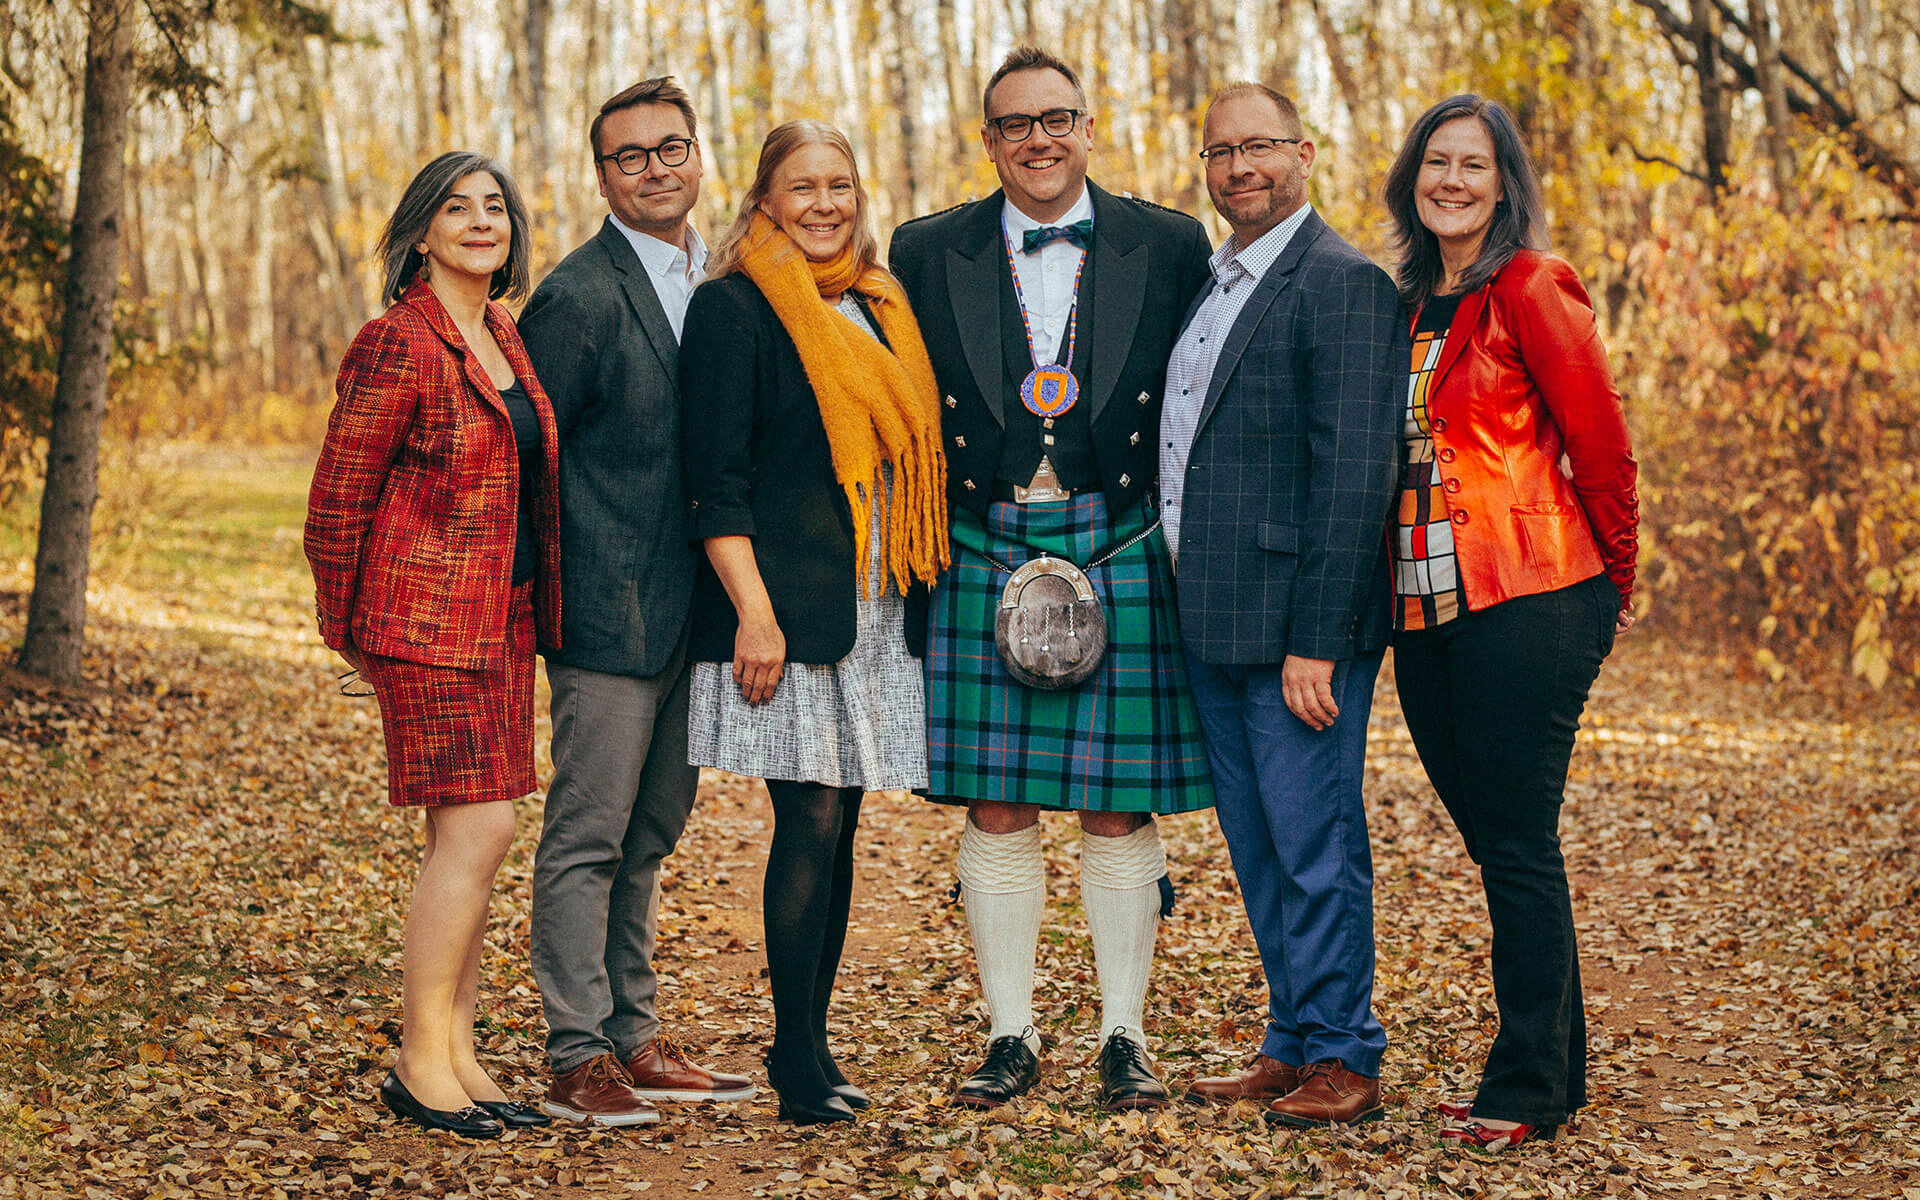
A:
(1080, 233)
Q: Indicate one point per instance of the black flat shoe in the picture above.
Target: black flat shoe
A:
(1011, 1068)
(805, 1106)
(1126, 1079)
(469, 1122)
(515, 1115)
(852, 1096)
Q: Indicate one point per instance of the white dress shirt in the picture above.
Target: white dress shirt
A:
(1046, 276)
(1236, 273)
(675, 272)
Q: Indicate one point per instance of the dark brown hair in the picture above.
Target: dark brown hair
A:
(421, 202)
(661, 90)
(1028, 58)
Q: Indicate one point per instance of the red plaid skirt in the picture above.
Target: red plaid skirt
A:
(454, 736)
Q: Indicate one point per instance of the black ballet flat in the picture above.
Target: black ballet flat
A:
(855, 1099)
(469, 1122)
(515, 1115)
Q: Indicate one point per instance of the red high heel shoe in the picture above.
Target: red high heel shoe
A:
(1456, 1110)
(1474, 1135)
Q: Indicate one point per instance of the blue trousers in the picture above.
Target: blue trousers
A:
(1288, 800)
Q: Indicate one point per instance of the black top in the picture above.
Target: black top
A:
(1436, 315)
(758, 465)
(526, 440)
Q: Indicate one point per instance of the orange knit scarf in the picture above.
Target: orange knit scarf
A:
(878, 405)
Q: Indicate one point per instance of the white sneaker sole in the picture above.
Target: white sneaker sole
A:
(610, 1119)
(695, 1094)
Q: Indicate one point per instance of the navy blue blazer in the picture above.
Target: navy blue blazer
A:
(1295, 463)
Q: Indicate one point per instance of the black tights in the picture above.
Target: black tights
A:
(808, 891)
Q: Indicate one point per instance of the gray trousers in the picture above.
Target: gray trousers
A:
(621, 793)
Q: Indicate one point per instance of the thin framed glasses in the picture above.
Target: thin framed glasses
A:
(1253, 150)
(632, 160)
(353, 683)
(1018, 127)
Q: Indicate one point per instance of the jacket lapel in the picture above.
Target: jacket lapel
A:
(973, 288)
(637, 286)
(1120, 265)
(1275, 281)
(428, 305)
(1458, 335)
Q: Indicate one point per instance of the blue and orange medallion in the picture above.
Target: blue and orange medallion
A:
(1050, 388)
(1049, 391)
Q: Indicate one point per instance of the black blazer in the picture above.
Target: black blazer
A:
(1148, 262)
(758, 465)
(1294, 464)
(603, 349)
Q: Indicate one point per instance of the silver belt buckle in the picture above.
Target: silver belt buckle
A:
(1044, 487)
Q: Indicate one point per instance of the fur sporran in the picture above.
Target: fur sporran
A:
(1050, 628)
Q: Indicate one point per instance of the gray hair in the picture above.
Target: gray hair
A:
(421, 202)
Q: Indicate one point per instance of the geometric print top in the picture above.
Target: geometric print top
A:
(1427, 587)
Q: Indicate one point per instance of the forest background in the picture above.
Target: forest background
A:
(1737, 181)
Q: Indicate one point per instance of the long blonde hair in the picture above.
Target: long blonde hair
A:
(780, 145)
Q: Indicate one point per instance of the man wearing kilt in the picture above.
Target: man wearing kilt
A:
(1049, 310)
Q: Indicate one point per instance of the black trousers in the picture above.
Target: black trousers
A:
(1492, 700)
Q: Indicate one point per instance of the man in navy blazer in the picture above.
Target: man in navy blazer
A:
(1279, 439)
(603, 331)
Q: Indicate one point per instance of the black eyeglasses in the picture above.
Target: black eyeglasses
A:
(1253, 149)
(1018, 127)
(633, 159)
(353, 683)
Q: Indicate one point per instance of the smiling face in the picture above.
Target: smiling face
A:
(812, 196)
(1044, 174)
(1458, 188)
(1254, 195)
(471, 233)
(657, 200)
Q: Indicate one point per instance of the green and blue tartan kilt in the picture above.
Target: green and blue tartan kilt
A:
(1127, 739)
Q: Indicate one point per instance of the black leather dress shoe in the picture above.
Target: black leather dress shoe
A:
(469, 1122)
(1011, 1068)
(854, 1098)
(515, 1115)
(1126, 1080)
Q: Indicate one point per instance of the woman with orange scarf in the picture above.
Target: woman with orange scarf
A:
(812, 446)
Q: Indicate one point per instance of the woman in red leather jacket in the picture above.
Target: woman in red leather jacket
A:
(433, 532)
(1513, 557)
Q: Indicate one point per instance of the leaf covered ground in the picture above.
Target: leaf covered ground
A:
(201, 890)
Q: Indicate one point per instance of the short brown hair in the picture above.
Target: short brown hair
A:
(1289, 112)
(662, 90)
(1028, 58)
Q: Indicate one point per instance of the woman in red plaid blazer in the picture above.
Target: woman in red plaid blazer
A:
(433, 532)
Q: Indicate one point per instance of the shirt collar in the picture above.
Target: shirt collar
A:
(1016, 223)
(1266, 248)
(662, 258)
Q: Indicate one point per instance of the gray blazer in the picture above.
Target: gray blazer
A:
(606, 355)
(1295, 462)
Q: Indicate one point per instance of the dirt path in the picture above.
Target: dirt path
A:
(200, 897)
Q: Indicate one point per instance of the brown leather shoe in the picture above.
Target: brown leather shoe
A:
(1265, 1079)
(1328, 1094)
(660, 1070)
(598, 1091)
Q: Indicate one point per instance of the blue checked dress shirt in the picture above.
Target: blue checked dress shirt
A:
(1236, 273)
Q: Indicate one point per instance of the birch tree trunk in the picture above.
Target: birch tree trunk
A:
(57, 612)
(1773, 94)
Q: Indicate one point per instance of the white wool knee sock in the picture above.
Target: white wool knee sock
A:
(1003, 880)
(1119, 886)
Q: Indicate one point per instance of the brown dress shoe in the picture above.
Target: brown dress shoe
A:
(660, 1070)
(1264, 1080)
(1328, 1094)
(598, 1091)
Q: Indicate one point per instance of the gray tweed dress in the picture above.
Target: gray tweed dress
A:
(860, 722)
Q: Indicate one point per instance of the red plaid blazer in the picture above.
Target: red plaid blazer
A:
(410, 522)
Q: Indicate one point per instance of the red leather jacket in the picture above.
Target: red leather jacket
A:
(411, 519)
(1523, 383)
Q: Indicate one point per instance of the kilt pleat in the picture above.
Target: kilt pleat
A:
(456, 736)
(1127, 739)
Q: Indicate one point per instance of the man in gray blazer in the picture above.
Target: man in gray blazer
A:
(1279, 441)
(603, 331)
